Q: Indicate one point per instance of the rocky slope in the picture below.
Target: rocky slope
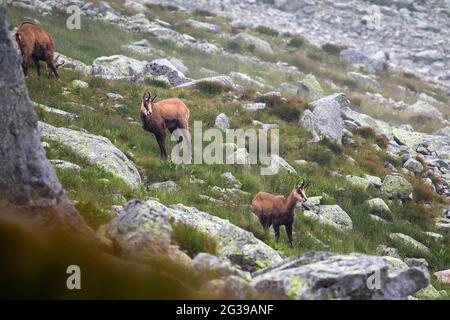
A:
(378, 186)
(413, 34)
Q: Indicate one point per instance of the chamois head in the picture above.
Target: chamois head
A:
(146, 105)
(300, 191)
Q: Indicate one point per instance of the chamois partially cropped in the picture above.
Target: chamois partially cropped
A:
(278, 210)
(38, 45)
(170, 114)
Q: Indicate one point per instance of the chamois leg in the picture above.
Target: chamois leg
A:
(289, 233)
(161, 139)
(38, 66)
(263, 221)
(25, 66)
(276, 227)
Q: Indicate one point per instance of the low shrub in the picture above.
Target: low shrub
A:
(332, 49)
(212, 88)
(296, 42)
(268, 31)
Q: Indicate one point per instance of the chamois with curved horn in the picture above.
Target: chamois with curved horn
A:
(278, 210)
(169, 114)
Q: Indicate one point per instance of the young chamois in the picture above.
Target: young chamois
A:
(278, 210)
(170, 114)
(38, 45)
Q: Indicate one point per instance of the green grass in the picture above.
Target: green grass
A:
(192, 240)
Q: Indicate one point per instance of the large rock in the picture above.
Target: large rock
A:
(331, 215)
(426, 110)
(142, 230)
(409, 241)
(413, 165)
(443, 276)
(163, 67)
(142, 224)
(397, 187)
(360, 59)
(120, 67)
(249, 40)
(27, 178)
(326, 119)
(224, 81)
(322, 275)
(277, 164)
(97, 150)
(73, 64)
(204, 26)
(238, 245)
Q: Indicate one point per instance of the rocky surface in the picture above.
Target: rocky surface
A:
(325, 120)
(318, 275)
(413, 34)
(97, 150)
(143, 225)
(331, 215)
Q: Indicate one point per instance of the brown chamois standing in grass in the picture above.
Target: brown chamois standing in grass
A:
(278, 210)
(38, 45)
(170, 114)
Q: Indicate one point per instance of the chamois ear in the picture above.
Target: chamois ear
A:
(146, 97)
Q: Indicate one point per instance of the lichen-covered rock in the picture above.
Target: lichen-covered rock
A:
(277, 164)
(65, 165)
(246, 39)
(379, 207)
(163, 67)
(310, 88)
(142, 231)
(409, 241)
(388, 251)
(97, 150)
(331, 215)
(79, 84)
(231, 180)
(57, 112)
(413, 165)
(239, 246)
(333, 276)
(204, 26)
(231, 287)
(326, 119)
(119, 67)
(397, 187)
(211, 266)
(143, 226)
(224, 81)
(425, 109)
(358, 181)
(73, 64)
(167, 186)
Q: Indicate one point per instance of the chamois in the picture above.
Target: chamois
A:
(278, 210)
(170, 114)
(36, 44)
